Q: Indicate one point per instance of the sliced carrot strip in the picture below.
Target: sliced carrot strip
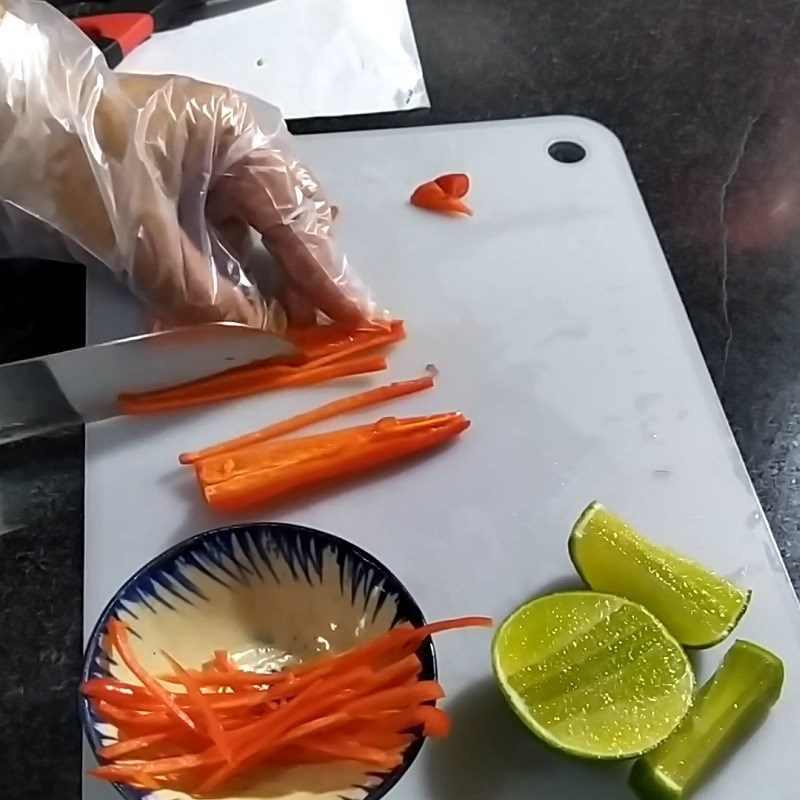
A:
(175, 764)
(124, 748)
(234, 678)
(452, 625)
(319, 340)
(276, 469)
(277, 365)
(213, 725)
(360, 344)
(389, 699)
(347, 750)
(120, 694)
(355, 401)
(223, 661)
(327, 372)
(125, 773)
(120, 642)
(400, 672)
(305, 375)
(147, 721)
(455, 184)
(435, 722)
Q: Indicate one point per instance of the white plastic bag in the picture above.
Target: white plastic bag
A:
(161, 179)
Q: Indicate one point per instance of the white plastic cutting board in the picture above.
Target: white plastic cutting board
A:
(556, 327)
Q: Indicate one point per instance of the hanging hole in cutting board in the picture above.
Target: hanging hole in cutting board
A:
(566, 152)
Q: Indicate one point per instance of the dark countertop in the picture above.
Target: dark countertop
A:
(706, 99)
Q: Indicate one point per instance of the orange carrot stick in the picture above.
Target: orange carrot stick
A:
(128, 746)
(120, 642)
(120, 694)
(339, 369)
(435, 722)
(398, 696)
(305, 375)
(125, 773)
(223, 661)
(213, 725)
(246, 373)
(451, 625)
(148, 721)
(319, 340)
(232, 482)
(355, 401)
(360, 344)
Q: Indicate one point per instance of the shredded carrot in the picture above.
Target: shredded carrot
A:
(365, 706)
(139, 720)
(223, 661)
(360, 344)
(319, 340)
(213, 725)
(128, 746)
(118, 636)
(355, 401)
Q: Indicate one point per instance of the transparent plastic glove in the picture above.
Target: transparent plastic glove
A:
(161, 179)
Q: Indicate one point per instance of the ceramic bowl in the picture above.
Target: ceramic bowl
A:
(271, 594)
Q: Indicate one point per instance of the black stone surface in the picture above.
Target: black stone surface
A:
(706, 99)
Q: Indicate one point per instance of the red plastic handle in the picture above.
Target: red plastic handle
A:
(128, 29)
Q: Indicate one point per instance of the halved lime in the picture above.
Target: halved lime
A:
(698, 607)
(726, 709)
(594, 675)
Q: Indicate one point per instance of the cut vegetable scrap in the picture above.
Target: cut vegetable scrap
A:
(238, 479)
(328, 354)
(727, 708)
(432, 197)
(361, 400)
(365, 706)
(455, 184)
(698, 607)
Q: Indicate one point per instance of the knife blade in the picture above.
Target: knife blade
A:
(41, 395)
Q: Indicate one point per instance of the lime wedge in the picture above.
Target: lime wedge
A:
(728, 707)
(591, 674)
(698, 607)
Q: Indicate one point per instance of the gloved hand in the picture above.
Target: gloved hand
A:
(162, 179)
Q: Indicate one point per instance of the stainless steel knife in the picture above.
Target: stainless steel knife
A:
(40, 395)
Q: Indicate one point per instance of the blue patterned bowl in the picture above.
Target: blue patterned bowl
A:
(273, 595)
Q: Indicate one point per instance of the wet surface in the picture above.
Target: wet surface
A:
(706, 100)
